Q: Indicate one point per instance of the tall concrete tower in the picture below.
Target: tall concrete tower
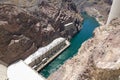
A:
(115, 11)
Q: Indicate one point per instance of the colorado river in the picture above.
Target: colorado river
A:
(89, 24)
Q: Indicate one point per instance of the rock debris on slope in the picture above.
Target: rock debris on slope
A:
(23, 30)
(97, 59)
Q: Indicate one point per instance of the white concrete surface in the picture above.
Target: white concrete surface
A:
(21, 71)
(115, 11)
(68, 24)
(3, 72)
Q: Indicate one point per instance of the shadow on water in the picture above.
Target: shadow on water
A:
(89, 24)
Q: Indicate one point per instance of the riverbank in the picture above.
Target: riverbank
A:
(92, 11)
(97, 59)
(88, 26)
(98, 9)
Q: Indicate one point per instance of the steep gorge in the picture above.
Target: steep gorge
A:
(24, 29)
(97, 59)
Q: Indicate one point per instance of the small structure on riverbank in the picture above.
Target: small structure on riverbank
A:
(71, 25)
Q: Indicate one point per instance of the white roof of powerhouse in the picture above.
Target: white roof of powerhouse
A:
(43, 50)
(21, 71)
(68, 24)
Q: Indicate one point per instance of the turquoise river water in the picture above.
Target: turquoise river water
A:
(89, 24)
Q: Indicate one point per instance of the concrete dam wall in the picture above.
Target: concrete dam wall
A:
(115, 11)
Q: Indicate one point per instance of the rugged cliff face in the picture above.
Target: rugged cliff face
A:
(29, 24)
(24, 29)
(96, 8)
(97, 59)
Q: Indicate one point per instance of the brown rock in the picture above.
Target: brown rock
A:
(21, 28)
(97, 59)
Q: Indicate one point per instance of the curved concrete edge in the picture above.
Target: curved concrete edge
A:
(21, 71)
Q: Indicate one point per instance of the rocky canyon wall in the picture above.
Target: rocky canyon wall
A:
(27, 25)
(97, 59)
(24, 29)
